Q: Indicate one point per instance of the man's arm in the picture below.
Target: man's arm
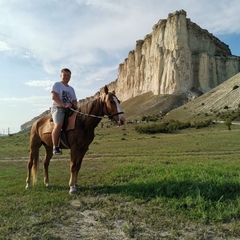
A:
(56, 99)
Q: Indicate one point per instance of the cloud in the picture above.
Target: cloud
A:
(4, 46)
(13, 100)
(91, 25)
(39, 83)
(46, 84)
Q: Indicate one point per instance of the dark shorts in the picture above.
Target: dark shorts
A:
(58, 114)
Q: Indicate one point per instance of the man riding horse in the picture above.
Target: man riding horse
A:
(64, 97)
(79, 136)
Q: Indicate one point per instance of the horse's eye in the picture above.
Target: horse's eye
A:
(111, 101)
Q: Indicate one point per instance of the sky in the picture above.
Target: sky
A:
(91, 37)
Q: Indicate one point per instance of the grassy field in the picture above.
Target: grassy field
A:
(184, 185)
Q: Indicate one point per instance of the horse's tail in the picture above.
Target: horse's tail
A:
(35, 168)
(35, 144)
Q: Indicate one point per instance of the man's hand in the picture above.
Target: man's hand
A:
(69, 105)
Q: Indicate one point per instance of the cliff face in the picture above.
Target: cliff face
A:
(175, 58)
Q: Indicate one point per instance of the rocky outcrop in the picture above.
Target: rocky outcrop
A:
(27, 125)
(176, 57)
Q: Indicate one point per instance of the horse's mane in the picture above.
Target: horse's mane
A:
(90, 108)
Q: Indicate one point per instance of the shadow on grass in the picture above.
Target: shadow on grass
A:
(172, 189)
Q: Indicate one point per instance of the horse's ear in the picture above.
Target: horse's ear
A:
(106, 89)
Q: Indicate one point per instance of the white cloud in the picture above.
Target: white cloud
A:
(4, 46)
(39, 83)
(56, 32)
(46, 84)
(15, 101)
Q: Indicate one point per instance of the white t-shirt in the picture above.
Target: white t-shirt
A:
(65, 93)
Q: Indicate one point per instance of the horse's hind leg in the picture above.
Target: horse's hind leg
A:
(29, 168)
(46, 161)
(32, 164)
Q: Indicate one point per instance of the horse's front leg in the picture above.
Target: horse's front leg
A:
(73, 177)
(75, 165)
(46, 161)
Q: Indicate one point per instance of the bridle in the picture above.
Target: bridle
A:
(108, 115)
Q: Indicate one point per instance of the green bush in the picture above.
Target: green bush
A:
(169, 127)
(150, 118)
(164, 127)
(233, 115)
(153, 128)
(235, 87)
(228, 123)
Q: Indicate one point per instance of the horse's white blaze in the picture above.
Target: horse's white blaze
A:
(121, 116)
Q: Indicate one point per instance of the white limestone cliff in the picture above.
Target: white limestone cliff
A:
(176, 57)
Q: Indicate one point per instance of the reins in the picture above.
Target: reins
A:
(91, 115)
(85, 114)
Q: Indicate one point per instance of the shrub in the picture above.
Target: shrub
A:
(202, 124)
(153, 128)
(164, 127)
(228, 122)
(233, 115)
(150, 118)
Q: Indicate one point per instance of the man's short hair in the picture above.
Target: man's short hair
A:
(66, 70)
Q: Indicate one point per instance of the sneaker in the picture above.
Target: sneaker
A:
(57, 151)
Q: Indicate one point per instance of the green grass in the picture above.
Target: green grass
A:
(163, 186)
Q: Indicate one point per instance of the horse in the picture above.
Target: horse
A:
(79, 138)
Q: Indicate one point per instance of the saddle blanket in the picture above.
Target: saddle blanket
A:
(70, 124)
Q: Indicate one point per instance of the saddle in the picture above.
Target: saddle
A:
(68, 124)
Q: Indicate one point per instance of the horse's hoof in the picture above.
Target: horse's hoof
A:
(73, 190)
(28, 186)
(48, 185)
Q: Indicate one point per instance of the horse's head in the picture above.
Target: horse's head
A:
(112, 107)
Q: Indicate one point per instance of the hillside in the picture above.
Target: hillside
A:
(224, 97)
(150, 104)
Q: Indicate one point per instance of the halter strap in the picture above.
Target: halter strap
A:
(118, 113)
(110, 116)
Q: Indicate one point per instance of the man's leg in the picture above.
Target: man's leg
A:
(55, 138)
(56, 133)
(58, 117)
